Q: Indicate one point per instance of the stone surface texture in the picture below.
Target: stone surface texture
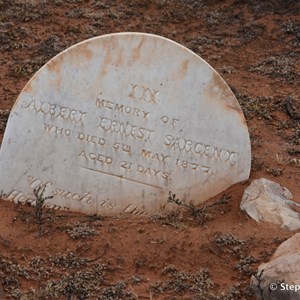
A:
(265, 200)
(283, 269)
(114, 123)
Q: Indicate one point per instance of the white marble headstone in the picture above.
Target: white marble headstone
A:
(114, 123)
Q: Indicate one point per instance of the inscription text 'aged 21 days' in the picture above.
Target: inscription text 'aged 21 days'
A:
(114, 123)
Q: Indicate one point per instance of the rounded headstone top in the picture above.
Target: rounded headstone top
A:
(112, 124)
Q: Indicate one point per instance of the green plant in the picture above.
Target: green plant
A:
(39, 204)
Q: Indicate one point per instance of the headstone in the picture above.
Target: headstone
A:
(114, 123)
(267, 201)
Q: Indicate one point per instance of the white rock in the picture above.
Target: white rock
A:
(283, 270)
(265, 200)
(114, 123)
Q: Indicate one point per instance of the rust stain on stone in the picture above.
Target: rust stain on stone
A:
(28, 88)
(54, 67)
(119, 57)
(86, 52)
(80, 55)
(217, 89)
(106, 61)
(108, 50)
(136, 52)
(183, 69)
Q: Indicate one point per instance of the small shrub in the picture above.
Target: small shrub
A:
(39, 204)
(81, 231)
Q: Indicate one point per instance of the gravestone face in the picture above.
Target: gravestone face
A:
(114, 123)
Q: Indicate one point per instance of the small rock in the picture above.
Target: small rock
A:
(265, 200)
(280, 278)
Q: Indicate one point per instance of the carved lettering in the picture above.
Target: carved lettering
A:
(57, 111)
(208, 172)
(107, 204)
(125, 129)
(206, 169)
(201, 149)
(53, 206)
(91, 139)
(156, 156)
(19, 197)
(134, 210)
(57, 130)
(102, 103)
(123, 147)
(34, 183)
(73, 196)
(142, 93)
(126, 165)
(193, 166)
(169, 121)
(182, 163)
(100, 158)
(152, 172)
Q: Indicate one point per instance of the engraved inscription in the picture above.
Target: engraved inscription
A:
(152, 172)
(126, 109)
(169, 121)
(57, 130)
(134, 210)
(57, 111)
(142, 93)
(201, 149)
(106, 204)
(185, 164)
(122, 147)
(125, 129)
(80, 136)
(144, 170)
(126, 165)
(96, 157)
(156, 156)
(193, 166)
(34, 183)
(19, 197)
(91, 139)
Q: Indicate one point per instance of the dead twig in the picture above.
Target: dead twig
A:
(172, 198)
(218, 254)
(100, 256)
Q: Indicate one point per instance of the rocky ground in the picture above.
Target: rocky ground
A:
(207, 254)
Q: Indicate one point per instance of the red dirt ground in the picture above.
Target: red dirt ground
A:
(254, 45)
